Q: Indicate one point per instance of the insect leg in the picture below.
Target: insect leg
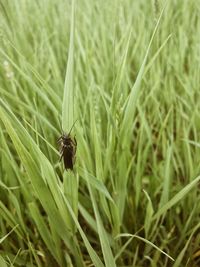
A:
(60, 139)
(61, 155)
(75, 140)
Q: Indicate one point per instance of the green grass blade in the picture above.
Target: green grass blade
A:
(106, 249)
(3, 238)
(94, 257)
(147, 242)
(68, 97)
(43, 229)
(2, 262)
(131, 104)
(180, 257)
(179, 196)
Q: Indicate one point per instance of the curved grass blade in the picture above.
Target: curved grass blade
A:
(147, 242)
(180, 195)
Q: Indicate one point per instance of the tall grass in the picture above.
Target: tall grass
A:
(129, 72)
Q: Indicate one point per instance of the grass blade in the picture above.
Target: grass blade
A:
(68, 97)
(180, 195)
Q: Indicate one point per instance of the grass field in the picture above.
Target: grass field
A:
(129, 72)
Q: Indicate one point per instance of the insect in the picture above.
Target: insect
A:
(68, 146)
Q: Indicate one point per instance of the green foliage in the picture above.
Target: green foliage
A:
(128, 72)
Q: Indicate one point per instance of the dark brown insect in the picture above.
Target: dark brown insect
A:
(68, 146)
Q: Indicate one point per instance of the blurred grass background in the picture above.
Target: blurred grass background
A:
(129, 72)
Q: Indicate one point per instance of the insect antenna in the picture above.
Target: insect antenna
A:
(72, 126)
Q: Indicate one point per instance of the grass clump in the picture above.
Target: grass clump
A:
(131, 79)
